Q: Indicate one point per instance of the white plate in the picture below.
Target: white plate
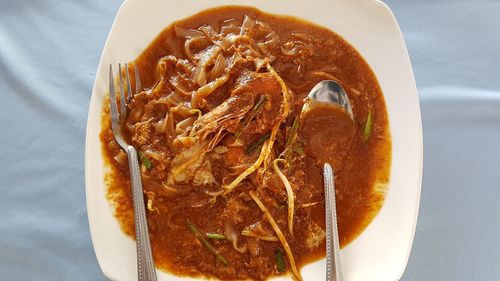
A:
(382, 250)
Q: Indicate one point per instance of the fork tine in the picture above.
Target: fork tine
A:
(112, 99)
(129, 87)
(123, 100)
(138, 86)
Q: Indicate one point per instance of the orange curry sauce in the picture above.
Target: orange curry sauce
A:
(361, 164)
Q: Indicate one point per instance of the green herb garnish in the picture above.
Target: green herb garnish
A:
(215, 236)
(145, 160)
(257, 143)
(280, 260)
(367, 131)
(293, 145)
(197, 233)
(257, 107)
(293, 131)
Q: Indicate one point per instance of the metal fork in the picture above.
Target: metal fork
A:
(145, 265)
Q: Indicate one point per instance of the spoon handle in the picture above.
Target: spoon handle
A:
(333, 271)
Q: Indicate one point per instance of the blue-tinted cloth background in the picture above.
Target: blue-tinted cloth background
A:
(49, 51)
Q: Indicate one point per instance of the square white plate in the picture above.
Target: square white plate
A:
(382, 250)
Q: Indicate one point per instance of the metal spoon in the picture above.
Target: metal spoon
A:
(333, 270)
(330, 92)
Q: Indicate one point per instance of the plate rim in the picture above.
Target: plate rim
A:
(90, 117)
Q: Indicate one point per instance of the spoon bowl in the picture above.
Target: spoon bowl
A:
(331, 92)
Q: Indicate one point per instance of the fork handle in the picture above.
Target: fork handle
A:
(145, 265)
